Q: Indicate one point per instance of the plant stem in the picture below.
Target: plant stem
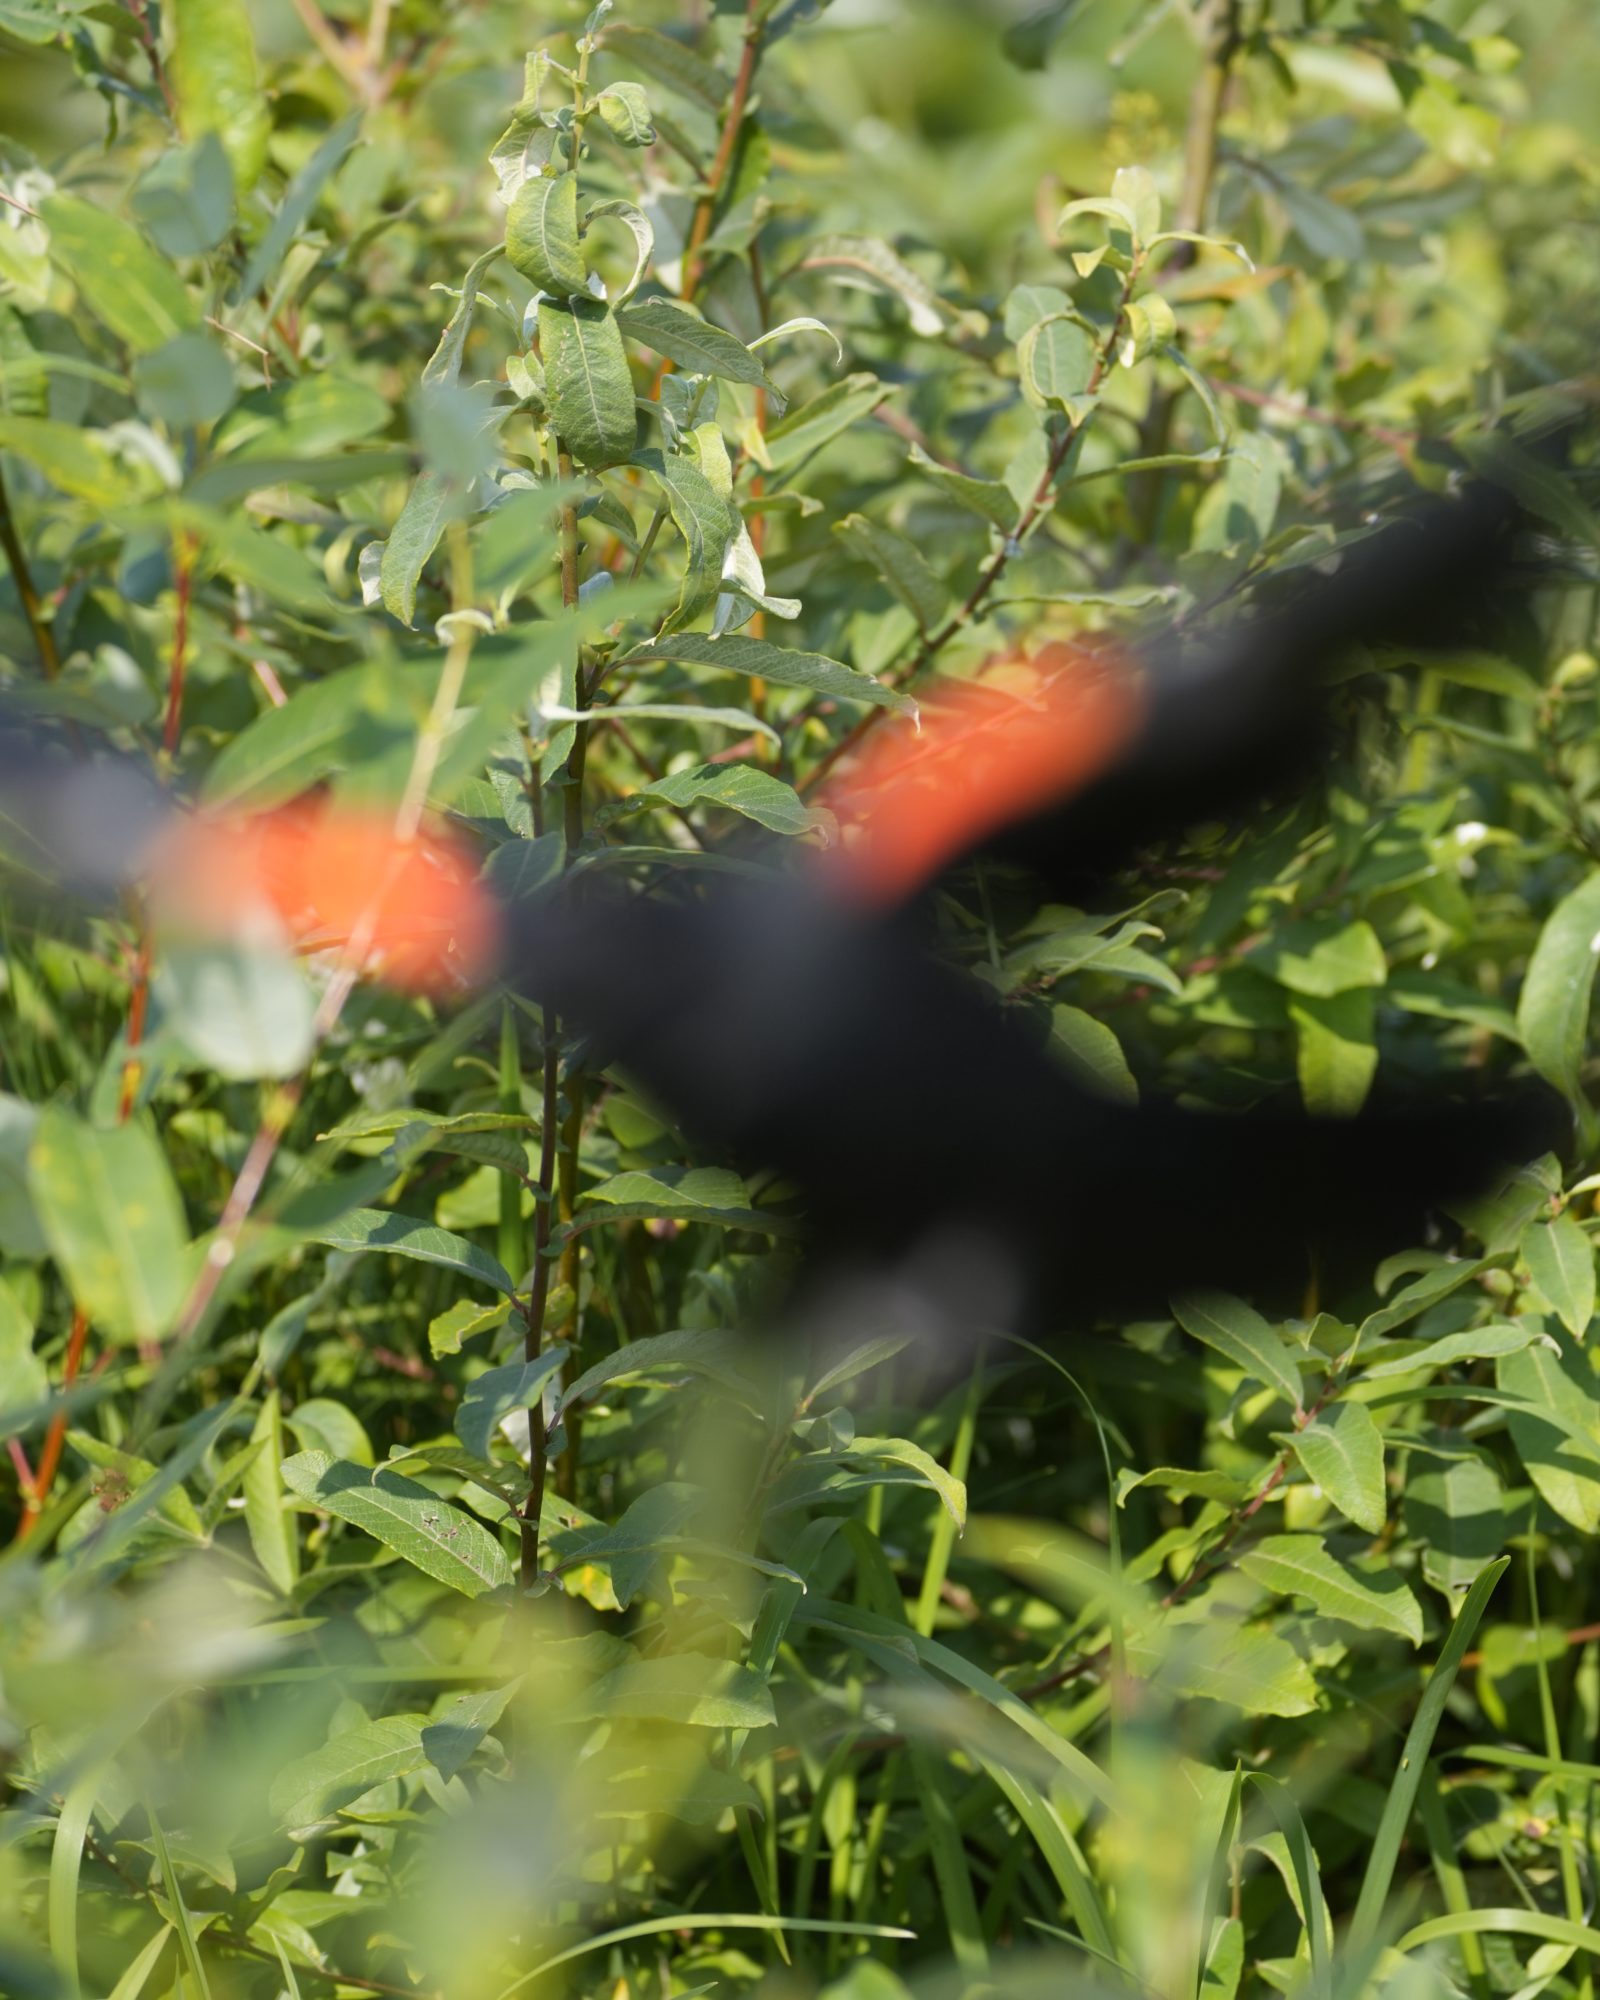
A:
(738, 101)
(44, 638)
(285, 1100)
(1033, 514)
(538, 1293)
(1220, 22)
(572, 823)
(183, 551)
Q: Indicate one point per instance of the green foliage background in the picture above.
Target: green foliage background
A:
(1199, 1670)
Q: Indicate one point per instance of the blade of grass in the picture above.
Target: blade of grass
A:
(1571, 1885)
(1217, 1879)
(697, 1920)
(187, 1942)
(1447, 1872)
(1503, 1923)
(137, 1976)
(1364, 1925)
(66, 1864)
(1302, 1857)
(950, 1869)
(942, 1541)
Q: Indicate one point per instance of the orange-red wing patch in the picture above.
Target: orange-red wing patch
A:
(336, 880)
(911, 801)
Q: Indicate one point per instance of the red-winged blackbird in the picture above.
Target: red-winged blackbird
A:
(800, 1025)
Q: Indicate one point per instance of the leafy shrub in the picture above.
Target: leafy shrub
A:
(419, 1584)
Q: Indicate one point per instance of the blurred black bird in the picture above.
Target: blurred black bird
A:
(799, 1023)
(803, 1027)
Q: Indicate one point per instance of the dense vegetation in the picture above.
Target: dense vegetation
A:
(1252, 1653)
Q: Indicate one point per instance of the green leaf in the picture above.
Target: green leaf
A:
(1091, 1051)
(902, 1452)
(1560, 1380)
(1240, 507)
(267, 1521)
(444, 364)
(690, 1350)
(1321, 960)
(990, 499)
(708, 523)
(122, 281)
(20, 1234)
(1028, 305)
(1057, 360)
(1336, 1052)
(1536, 485)
(626, 111)
(1201, 1484)
(587, 382)
(450, 1740)
(1242, 1336)
(1342, 1452)
(1245, 1667)
(74, 461)
(463, 1321)
(499, 1391)
(434, 1537)
(694, 1194)
(187, 382)
(1553, 1010)
(286, 750)
(216, 82)
(185, 198)
(312, 1787)
(872, 265)
(690, 1689)
(24, 1378)
(241, 1008)
(739, 788)
(639, 227)
(901, 564)
(1135, 188)
(1560, 1260)
(1482, 1344)
(321, 1424)
(300, 198)
(407, 1236)
(111, 1215)
(670, 61)
(690, 342)
(806, 430)
(542, 235)
(1455, 1509)
(1447, 1276)
(782, 666)
(431, 504)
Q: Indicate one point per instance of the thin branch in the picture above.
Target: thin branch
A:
(1038, 508)
(44, 638)
(738, 101)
